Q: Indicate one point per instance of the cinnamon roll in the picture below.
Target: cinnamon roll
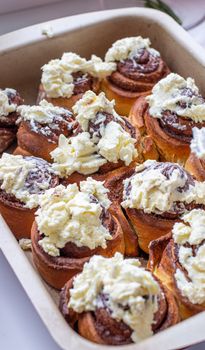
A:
(9, 101)
(138, 67)
(120, 302)
(156, 195)
(40, 128)
(195, 164)
(178, 260)
(103, 141)
(72, 224)
(22, 181)
(65, 80)
(168, 115)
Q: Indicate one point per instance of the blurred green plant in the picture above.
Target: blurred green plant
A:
(161, 6)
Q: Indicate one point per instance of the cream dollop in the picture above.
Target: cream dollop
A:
(86, 153)
(5, 106)
(128, 48)
(192, 231)
(43, 113)
(177, 95)
(198, 142)
(14, 171)
(89, 105)
(57, 79)
(131, 290)
(153, 192)
(69, 214)
(77, 153)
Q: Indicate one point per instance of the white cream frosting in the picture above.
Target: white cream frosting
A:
(116, 144)
(126, 283)
(191, 230)
(77, 153)
(85, 153)
(68, 214)
(128, 48)
(198, 142)
(89, 105)
(43, 113)
(172, 90)
(153, 192)
(57, 76)
(13, 175)
(5, 107)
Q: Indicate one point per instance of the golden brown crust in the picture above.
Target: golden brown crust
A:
(114, 182)
(123, 99)
(64, 102)
(168, 148)
(19, 151)
(148, 226)
(57, 270)
(163, 262)
(87, 326)
(19, 219)
(196, 167)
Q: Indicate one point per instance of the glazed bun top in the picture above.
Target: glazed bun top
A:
(178, 105)
(162, 188)
(101, 137)
(119, 289)
(24, 179)
(47, 120)
(136, 62)
(73, 214)
(72, 74)
(9, 101)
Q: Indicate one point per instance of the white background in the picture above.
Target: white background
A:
(20, 326)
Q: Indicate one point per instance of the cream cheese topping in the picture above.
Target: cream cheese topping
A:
(198, 142)
(116, 144)
(14, 171)
(128, 48)
(77, 153)
(192, 231)
(153, 192)
(43, 113)
(178, 95)
(89, 105)
(132, 292)
(86, 153)
(5, 107)
(70, 214)
(57, 76)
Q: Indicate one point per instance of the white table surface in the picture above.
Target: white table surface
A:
(20, 326)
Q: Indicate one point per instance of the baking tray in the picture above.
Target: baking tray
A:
(22, 53)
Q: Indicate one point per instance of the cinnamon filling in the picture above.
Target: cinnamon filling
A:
(115, 332)
(101, 120)
(142, 68)
(178, 127)
(82, 82)
(40, 174)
